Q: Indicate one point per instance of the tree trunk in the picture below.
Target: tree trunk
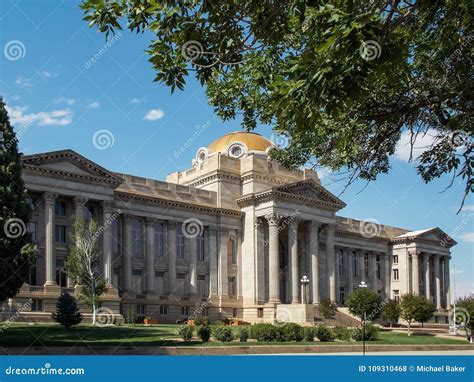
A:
(409, 327)
(94, 312)
(390, 324)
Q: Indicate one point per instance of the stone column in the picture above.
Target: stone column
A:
(447, 286)
(107, 242)
(415, 273)
(426, 266)
(361, 257)
(387, 274)
(293, 251)
(259, 261)
(223, 258)
(171, 253)
(150, 255)
(211, 244)
(331, 262)
(373, 271)
(79, 213)
(350, 270)
(127, 253)
(192, 265)
(313, 233)
(50, 241)
(437, 277)
(273, 259)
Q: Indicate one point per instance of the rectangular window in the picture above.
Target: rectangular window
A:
(32, 230)
(234, 313)
(395, 274)
(137, 237)
(159, 240)
(396, 295)
(179, 243)
(60, 209)
(395, 259)
(342, 264)
(181, 284)
(140, 309)
(342, 295)
(200, 247)
(60, 233)
(185, 311)
(36, 305)
(232, 286)
(354, 264)
(379, 267)
(163, 310)
(137, 281)
(160, 282)
(32, 276)
(260, 312)
(366, 265)
(33, 204)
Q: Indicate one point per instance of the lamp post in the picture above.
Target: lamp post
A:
(304, 286)
(363, 285)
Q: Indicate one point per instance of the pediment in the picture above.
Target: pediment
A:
(311, 190)
(69, 164)
(433, 235)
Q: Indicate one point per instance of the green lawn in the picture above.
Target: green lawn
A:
(39, 335)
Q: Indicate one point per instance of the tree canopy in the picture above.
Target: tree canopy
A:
(341, 79)
(16, 250)
(364, 301)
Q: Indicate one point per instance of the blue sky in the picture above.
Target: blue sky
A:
(64, 85)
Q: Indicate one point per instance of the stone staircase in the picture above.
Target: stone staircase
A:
(342, 318)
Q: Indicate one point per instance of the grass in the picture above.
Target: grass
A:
(45, 335)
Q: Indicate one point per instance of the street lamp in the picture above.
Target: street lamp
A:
(304, 286)
(363, 285)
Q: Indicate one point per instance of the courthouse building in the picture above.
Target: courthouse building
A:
(231, 237)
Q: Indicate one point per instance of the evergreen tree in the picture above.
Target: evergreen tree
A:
(16, 251)
(67, 312)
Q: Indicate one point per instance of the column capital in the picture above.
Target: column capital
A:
(273, 219)
(149, 221)
(50, 197)
(414, 254)
(80, 201)
(107, 205)
(171, 223)
(259, 222)
(127, 219)
(330, 227)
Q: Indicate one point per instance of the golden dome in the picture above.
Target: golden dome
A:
(252, 141)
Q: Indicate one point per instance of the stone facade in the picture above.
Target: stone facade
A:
(229, 238)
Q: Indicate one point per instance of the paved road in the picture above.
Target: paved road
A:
(437, 353)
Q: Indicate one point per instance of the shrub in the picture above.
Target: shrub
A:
(218, 323)
(309, 334)
(67, 312)
(204, 333)
(327, 308)
(264, 332)
(243, 334)
(292, 332)
(223, 333)
(186, 332)
(371, 333)
(324, 334)
(342, 334)
(201, 321)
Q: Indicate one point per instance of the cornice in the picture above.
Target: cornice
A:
(177, 204)
(350, 234)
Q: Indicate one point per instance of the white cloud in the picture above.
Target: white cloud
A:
(468, 208)
(19, 116)
(154, 114)
(422, 143)
(324, 172)
(467, 237)
(67, 101)
(94, 105)
(23, 82)
(135, 100)
(463, 289)
(46, 75)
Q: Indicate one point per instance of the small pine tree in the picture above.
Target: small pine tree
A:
(67, 312)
